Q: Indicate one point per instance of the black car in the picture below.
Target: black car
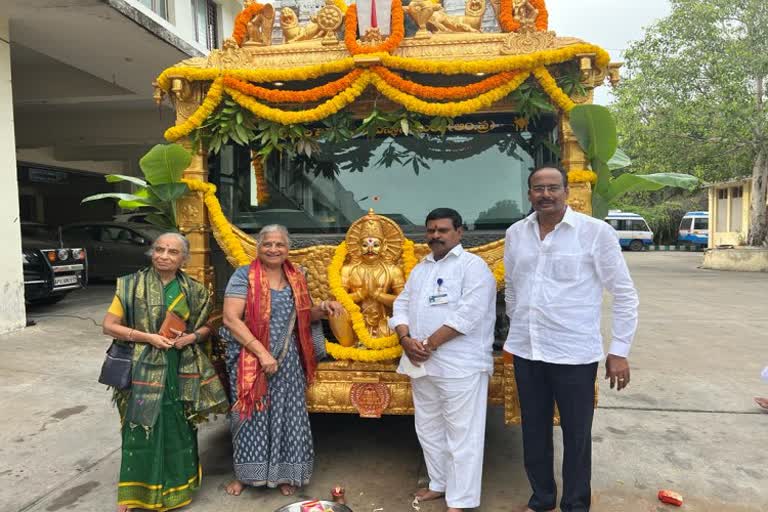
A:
(114, 248)
(50, 270)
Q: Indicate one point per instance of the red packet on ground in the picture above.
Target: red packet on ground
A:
(671, 498)
(312, 506)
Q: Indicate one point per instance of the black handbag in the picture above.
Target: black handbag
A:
(116, 370)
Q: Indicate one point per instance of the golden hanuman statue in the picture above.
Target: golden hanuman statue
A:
(371, 275)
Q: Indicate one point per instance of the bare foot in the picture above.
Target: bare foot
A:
(426, 494)
(123, 508)
(287, 489)
(762, 402)
(235, 487)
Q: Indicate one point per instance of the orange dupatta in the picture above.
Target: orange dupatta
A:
(251, 379)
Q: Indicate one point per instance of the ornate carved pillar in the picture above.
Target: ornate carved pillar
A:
(573, 158)
(190, 209)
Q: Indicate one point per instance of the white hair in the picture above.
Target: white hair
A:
(274, 228)
(179, 237)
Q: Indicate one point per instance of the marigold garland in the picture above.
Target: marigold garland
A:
(317, 113)
(342, 5)
(241, 22)
(358, 354)
(527, 62)
(232, 246)
(358, 323)
(298, 74)
(555, 93)
(409, 257)
(443, 93)
(451, 109)
(212, 100)
(582, 176)
(498, 274)
(509, 23)
(306, 96)
(397, 23)
(262, 190)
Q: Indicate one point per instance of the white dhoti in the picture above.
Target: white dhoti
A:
(450, 422)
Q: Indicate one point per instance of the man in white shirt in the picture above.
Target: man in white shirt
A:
(445, 318)
(557, 264)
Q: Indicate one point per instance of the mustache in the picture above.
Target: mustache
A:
(433, 242)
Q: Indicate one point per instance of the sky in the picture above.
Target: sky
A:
(611, 24)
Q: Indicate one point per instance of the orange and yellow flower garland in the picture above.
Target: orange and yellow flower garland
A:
(510, 24)
(443, 93)
(582, 176)
(555, 93)
(450, 109)
(388, 45)
(262, 192)
(306, 96)
(211, 101)
(241, 22)
(317, 113)
(231, 244)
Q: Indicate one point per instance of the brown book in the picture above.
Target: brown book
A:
(172, 321)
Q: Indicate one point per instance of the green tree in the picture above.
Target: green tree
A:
(694, 99)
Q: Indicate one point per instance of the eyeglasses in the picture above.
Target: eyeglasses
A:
(539, 189)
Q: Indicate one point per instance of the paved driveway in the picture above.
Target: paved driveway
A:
(686, 423)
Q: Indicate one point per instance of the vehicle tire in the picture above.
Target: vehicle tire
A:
(636, 245)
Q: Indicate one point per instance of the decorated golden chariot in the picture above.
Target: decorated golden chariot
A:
(416, 72)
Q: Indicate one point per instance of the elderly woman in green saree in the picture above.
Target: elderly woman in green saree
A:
(173, 383)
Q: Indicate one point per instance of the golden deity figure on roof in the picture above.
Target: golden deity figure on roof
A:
(371, 275)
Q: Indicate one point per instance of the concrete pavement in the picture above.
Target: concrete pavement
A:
(687, 421)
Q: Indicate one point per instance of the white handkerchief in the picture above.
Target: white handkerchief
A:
(764, 374)
(406, 367)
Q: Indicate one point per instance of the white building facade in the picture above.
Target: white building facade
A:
(76, 97)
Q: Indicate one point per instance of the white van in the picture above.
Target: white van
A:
(694, 230)
(631, 228)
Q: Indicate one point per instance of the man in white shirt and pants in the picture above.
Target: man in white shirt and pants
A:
(557, 264)
(445, 318)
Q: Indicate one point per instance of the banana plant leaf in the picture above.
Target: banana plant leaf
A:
(165, 163)
(595, 130)
(619, 160)
(649, 182)
(118, 178)
(119, 196)
(167, 192)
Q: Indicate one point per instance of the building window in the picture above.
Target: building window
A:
(206, 23)
(158, 6)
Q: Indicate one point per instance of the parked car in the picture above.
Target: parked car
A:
(114, 248)
(694, 229)
(135, 217)
(51, 270)
(631, 228)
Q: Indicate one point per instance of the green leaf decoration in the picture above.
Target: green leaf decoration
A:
(170, 191)
(119, 196)
(118, 178)
(165, 163)
(595, 130)
(619, 160)
(649, 182)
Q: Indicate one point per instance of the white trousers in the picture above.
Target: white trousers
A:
(450, 423)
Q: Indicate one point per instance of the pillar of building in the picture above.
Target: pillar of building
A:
(12, 314)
